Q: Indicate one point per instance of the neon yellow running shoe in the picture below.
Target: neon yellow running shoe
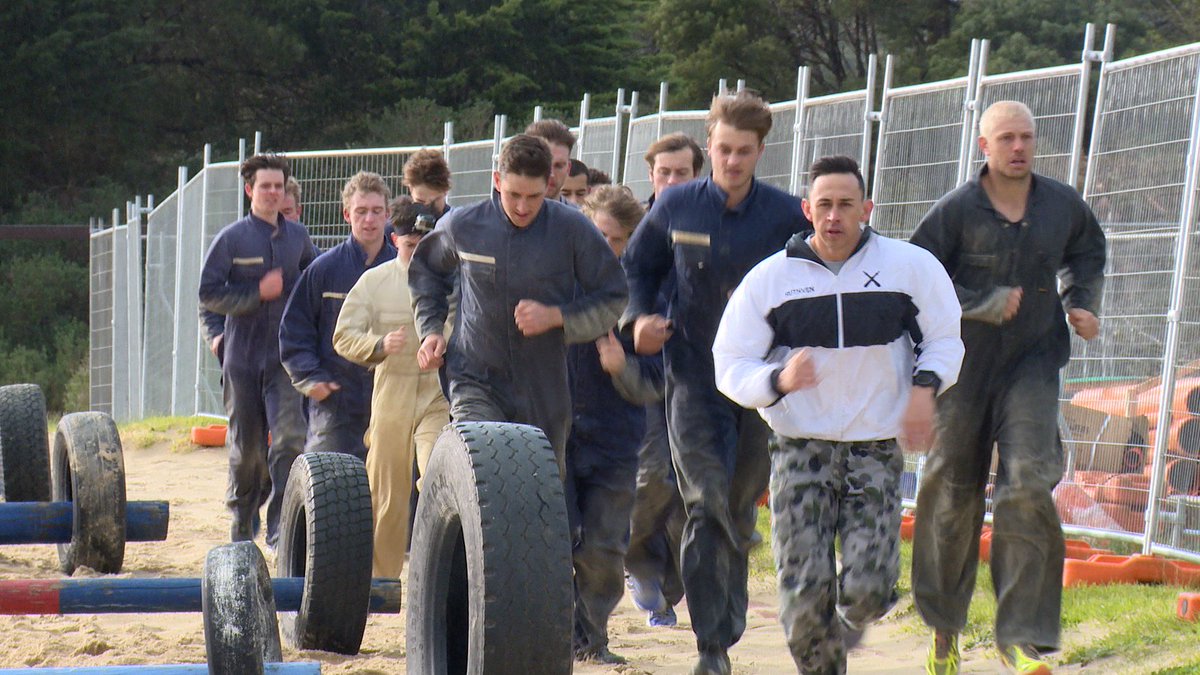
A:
(1024, 659)
(943, 654)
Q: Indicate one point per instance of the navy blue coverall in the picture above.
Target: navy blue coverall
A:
(339, 423)
(719, 449)
(258, 395)
(607, 425)
(1007, 397)
(495, 372)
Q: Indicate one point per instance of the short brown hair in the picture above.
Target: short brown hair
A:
(253, 165)
(365, 181)
(598, 177)
(674, 143)
(291, 188)
(744, 110)
(553, 131)
(429, 168)
(617, 201)
(525, 155)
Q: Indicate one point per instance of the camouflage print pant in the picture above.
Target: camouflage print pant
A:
(822, 490)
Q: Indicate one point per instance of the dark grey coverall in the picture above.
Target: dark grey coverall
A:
(656, 525)
(719, 449)
(1007, 395)
(495, 372)
(259, 397)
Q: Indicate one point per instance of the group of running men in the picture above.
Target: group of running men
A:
(679, 355)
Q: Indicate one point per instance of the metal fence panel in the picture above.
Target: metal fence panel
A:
(189, 255)
(120, 325)
(917, 160)
(322, 175)
(470, 171)
(135, 295)
(100, 327)
(1135, 186)
(830, 125)
(642, 132)
(1053, 96)
(221, 207)
(775, 166)
(158, 364)
(596, 145)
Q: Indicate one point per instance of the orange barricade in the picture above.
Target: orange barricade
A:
(1134, 569)
(1187, 606)
(211, 436)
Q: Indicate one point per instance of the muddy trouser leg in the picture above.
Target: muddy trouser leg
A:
(333, 428)
(950, 505)
(853, 493)
(247, 448)
(605, 499)
(721, 461)
(1027, 539)
(651, 558)
(285, 417)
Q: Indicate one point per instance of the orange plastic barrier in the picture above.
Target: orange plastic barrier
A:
(1187, 606)
(907, 525)
(212, 436)
(1135, 569)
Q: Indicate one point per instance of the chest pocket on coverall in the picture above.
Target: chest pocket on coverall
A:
(693, 251)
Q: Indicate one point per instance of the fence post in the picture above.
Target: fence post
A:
(241, 211)
(134, 296)
(978, 59)
(798, 130)
(199, 250)
(741, 86)
(1110, 33)
(498, 128)
(584, 106)
(257, 142)
(615, 169)
(870, 116)
(179, 249)
(1178, 277)
(662, 109)
(447, 139)
(537, 113)
(888, 67)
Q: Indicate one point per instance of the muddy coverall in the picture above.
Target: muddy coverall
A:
(1007, 396)
(259, 397)
(338, 423)
(719, 449)
(656, 524)
(608, 423)
(408, 410)
(495, 372)
(888, 313)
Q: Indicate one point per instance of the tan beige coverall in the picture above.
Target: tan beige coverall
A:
(408, 410)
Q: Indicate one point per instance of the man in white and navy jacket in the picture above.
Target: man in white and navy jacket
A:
(842, 341)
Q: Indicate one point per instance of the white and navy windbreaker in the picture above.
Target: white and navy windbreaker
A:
(888, 313)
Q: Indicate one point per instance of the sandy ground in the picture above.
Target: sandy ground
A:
(193, 482)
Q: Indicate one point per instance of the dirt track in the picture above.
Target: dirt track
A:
(193, 482)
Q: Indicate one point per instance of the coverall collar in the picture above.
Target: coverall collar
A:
(720, 196)
(360, 254)
(274, 228)
(539, 218)
(984, 202)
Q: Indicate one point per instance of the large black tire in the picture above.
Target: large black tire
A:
(490, 576)
(241, 632)
(89, 472)
(326, 536)
(24, 454)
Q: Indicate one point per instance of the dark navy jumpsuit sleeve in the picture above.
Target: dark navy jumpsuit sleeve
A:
(219, 294)
(299, 333)
(648, 261)
(212, 325)
(595, 310)
(939, 232)
(431, 276)
(1083, 264)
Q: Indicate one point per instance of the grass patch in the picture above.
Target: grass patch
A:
(1127, 628)
(175, 430)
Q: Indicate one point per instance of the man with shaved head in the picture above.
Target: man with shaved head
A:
(1010, 239)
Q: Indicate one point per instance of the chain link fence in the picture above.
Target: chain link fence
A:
(1131, 399)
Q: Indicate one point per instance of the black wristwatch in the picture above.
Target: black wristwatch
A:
(927, 378)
